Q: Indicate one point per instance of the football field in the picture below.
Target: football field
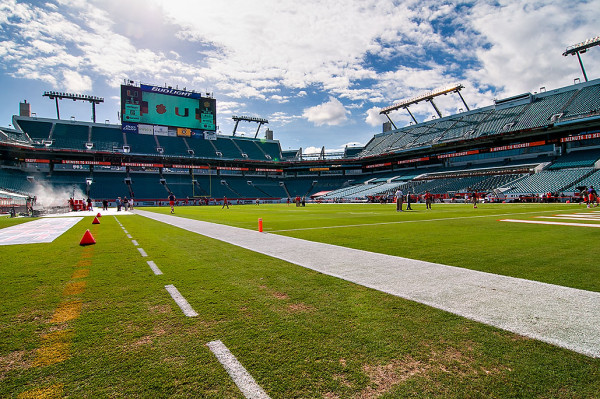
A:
(105, 320)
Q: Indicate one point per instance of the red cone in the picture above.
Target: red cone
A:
(96, 221)
(87, 239)
(98, 215)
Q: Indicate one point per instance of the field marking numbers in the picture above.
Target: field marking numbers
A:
(237, 372)
(183, 304)
(154, 268)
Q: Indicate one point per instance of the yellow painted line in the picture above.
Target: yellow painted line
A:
(80, 273)
(84, 263)
(74, 288)
(54, 349)
(51, 392)
(67, 311)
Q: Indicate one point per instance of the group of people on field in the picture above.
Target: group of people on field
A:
(428, 197)
(399, 195)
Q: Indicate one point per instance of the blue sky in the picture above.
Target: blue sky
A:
(318, 70)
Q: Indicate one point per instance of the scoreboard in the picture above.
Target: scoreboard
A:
(160, 108)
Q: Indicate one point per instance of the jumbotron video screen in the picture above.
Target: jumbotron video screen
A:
(166, 107)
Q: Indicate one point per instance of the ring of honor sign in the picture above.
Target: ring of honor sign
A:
(166, 111)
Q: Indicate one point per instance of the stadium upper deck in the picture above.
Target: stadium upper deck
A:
(522, 115)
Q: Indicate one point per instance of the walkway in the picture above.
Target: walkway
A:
(37, 231)
(566, 317)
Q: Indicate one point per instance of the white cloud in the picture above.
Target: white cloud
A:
(311, 150)
(317, 150)
(280, 99)
(77, 83)
(525, 41)
(282, 118)
(331, 113)
(374, 118)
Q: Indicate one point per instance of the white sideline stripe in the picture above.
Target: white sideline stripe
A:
(154, 268)
(142, 252)
(134, 242)
(184, 305)
(129, 236)
(408, 221)
(563, 316)
(125, 231)
(237, 372)
(569, 218)
(554, 223)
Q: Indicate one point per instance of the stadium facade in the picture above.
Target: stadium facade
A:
(520, 147)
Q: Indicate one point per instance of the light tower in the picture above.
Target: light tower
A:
(237, 120)
(53, 95)
(581, 48)
(428, 97)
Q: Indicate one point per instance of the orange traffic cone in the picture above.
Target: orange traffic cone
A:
(87, 239)
(96, 221)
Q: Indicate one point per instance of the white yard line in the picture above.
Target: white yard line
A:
(134, 242)
(183, 304)
(550, 223)
(142, 252)
(562, 316)
(154, 268)
(237, 372)
(595, 219)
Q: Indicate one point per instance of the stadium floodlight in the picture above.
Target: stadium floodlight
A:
(423, 97)
(429, 96)
(237, 120)
(53, 95)
(581, 48)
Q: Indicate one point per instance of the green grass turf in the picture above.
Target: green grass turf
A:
(451, 234)
(300, 334)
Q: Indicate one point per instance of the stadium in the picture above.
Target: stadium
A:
(309, 284)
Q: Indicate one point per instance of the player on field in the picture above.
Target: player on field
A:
(172, 202)
(428, 200)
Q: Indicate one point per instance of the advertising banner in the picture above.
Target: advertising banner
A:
(173, 132)
(183, 132)
(129, 127)
(210, 136)
(145, 129)
(197, 134)
(161, 130)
